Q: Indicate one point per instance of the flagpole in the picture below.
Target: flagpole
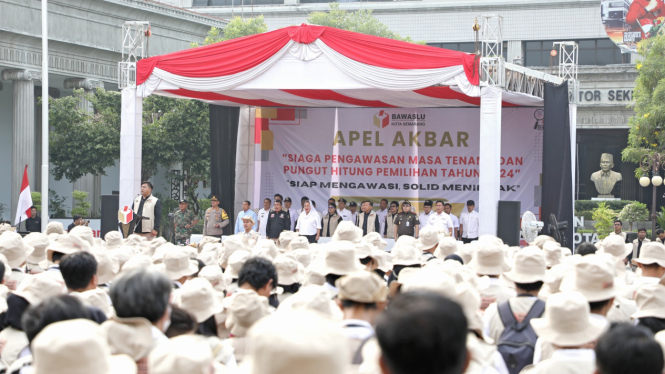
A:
(45, 127)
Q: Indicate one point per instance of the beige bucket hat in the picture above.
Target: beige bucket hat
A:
(289, 270)
(429, 237)
(541, 240)
(267, 247)
(304, 256)
(230, 246)
(55, 227)
(244, 308)
(489, 259)
(214, 275)
(567, 322)
(362, 287)
(107, 266)
(67, 244)
(299, 242)
(312, 297)
(139, 261)
(285, 238)
(650, 300)
(235, 263)
(129, 336)
(338, 258)
(98, 298)
(113, 239)
(406, 254)
(616, 246)
(177, 264)
(383, 259)
(427, 279)
(347, 231)
(183, 354)
(447, 246)
(364, 250)
(651, 253)
(298, 342)
(199, 298)
(39, 287)
(375, 239)
(593, 277)
(76, 346)
(529, 266)
(553, 253)
(85, 233)
(39, 242)
(13, 247)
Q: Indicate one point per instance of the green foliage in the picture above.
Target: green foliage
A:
(583, 205)
(660, 218)
(585, 231)
(647, 126)
(361, 21)
(635, 212)
(604, 217)
(81, 204)
(56, 205)
(204, 204)
(587, 214)
(236, 28)
(84, 143)
(36, 200)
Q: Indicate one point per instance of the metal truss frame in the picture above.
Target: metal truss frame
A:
(134, 35)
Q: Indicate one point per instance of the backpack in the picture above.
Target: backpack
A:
(518, 340)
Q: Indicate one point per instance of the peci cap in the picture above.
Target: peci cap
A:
(341, 200)
(470, 203)
(428, 203)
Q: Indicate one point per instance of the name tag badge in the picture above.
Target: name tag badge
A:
(407, 223)
(272, 215)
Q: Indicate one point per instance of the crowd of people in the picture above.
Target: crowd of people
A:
(73, 303)
(390, 220)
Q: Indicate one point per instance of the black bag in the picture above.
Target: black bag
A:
(518, 340)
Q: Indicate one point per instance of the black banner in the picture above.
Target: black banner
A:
(223, 144)
(557, 194)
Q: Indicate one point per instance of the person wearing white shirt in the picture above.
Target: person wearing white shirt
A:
(448, 209)
(309, 223)
(469, 223)
(440, 220)
(343, 212)
(353, 214)
(263, 217)
(293, 214)
(424, 216)
(382, 213)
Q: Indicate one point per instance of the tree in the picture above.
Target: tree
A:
(82, 143)
(236, 28)
(647, 126)
(635, 212)
(361, 21)
(36, 200)
(81, 204)
(604, 217)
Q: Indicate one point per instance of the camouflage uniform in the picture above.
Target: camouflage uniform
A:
(181, 219)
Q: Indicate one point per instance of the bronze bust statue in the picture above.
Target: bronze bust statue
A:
(605, 178)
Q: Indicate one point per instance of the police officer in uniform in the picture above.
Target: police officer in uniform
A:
(215, 219)
(183, 222)
(406, 222)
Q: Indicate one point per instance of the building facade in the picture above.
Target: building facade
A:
(85, 39)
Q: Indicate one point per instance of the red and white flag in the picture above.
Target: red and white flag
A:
(24, 200)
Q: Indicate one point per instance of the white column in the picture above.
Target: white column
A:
(490, 159)
(131, 136)
(92, 184)
(245, 158)
(23, 135)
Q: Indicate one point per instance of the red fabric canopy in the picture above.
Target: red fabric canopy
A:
(238, 55)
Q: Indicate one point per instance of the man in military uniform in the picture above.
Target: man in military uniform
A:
(406, 222)
(183, 222)
(215, 219)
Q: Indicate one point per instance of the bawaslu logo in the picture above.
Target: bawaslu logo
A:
(381, 119)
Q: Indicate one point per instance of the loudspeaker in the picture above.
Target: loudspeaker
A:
(508, 226)
(110, 207)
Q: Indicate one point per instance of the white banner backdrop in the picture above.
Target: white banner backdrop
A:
(397, 154)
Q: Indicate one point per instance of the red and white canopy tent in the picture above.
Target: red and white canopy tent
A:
(315, 66)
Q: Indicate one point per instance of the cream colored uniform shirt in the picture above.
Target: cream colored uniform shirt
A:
(493, 326)
(566, 361)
